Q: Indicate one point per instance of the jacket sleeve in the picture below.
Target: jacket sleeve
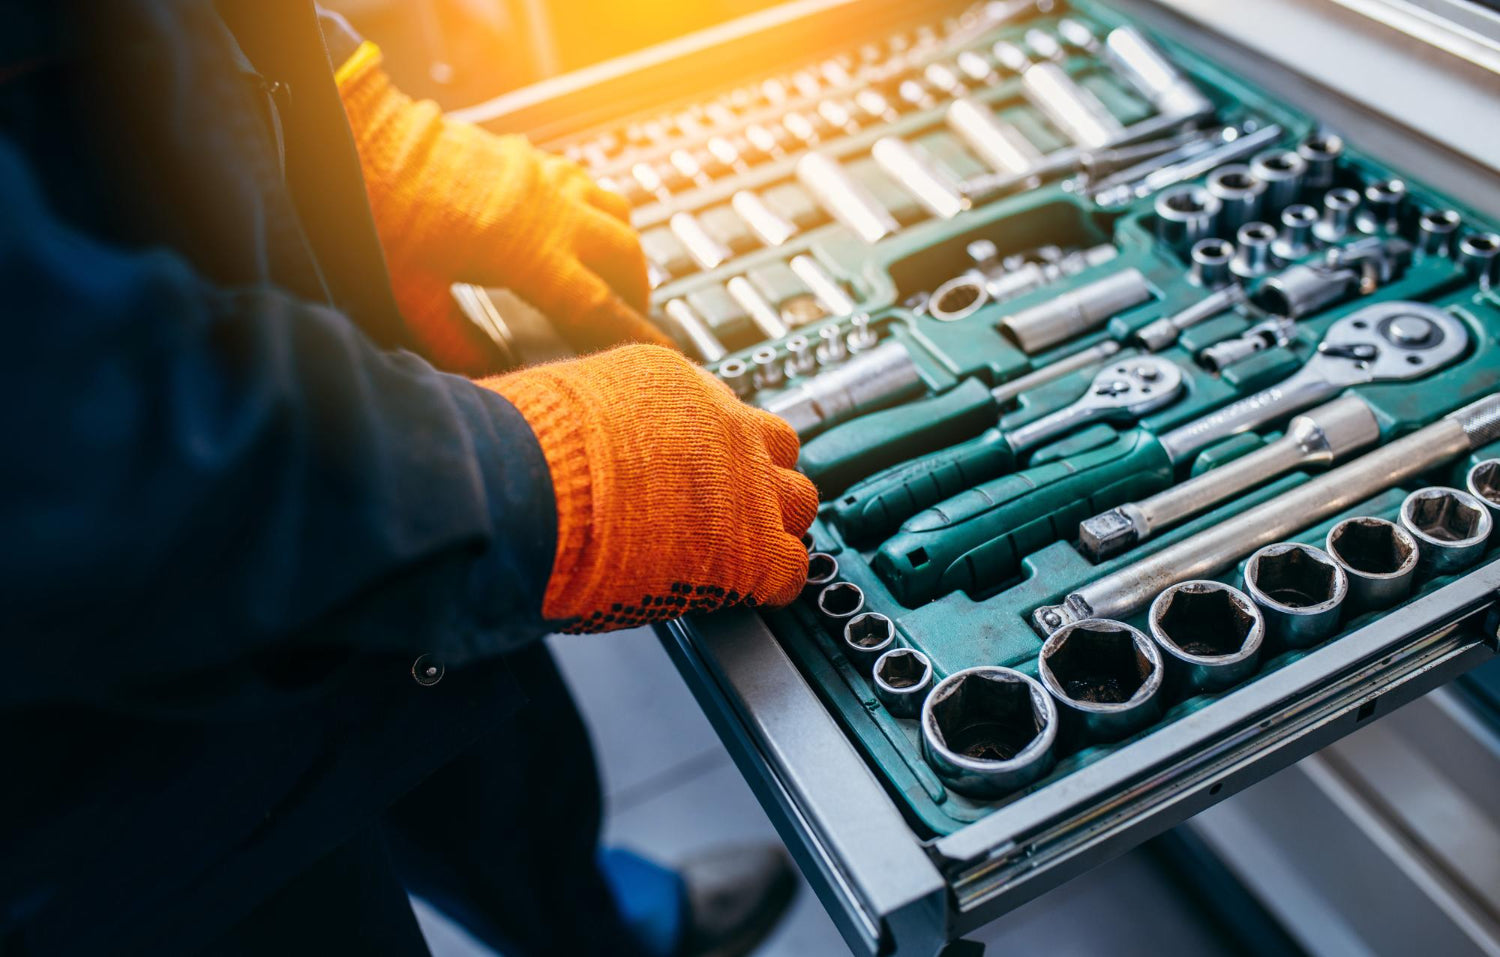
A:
(194, 477)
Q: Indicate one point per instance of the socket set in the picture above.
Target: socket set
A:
(1124, 385)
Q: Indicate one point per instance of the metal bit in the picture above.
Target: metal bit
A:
(762, 313)
(694, 330)
(772, 228)
(861, 337)
(1123, 392)
(1157, 335)
(1253, 242)
(1295, 240)
(706, 251)
(1451, 527)
(916, 171)
(821, 284)
(1184, 215)
(1003, 148)
(1213, 550)
(1273, 332)
(1239, 194)
(800, 359)
(1479, 255)
(1317, 438)
(832, 349)
(1321, 152)
(1436, 229)
(845, 198)
(1210, 259)
(737, 375)
(1384, 206)
(867, 636)
(1076, 111)
(902, 677)
(1339, 208)
(1146, 68)
(766, 362)
(1282, 171)
(1210, 635)
(840, 601)
(1378, 557)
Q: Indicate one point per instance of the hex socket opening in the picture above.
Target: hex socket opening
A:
(841, 600)
(1235, 180)
(1324, 144)
(1294, 577)
(869, 630)
(985, 715)
(1481, 243)
(957, 298)
(1186, 201)
(1443, 516)
(1371, 546)
(1256, 233)
(1484, 481)
(1386, 191)
(1205, 620)
(1097, 662)
(822, 568)
(1213, 250)
(1441, 220)
(1280, 162)
(902, 668)
(1299, 215)
(1342, 198)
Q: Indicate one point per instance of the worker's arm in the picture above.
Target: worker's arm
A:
(195, 476)
(454, 203)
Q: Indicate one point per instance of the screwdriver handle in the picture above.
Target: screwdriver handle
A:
(976, 539)
(849, 452)
(874, 508)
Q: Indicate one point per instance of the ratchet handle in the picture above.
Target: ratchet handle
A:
(877, 506)
(978, 538)
(849, 452)
(1306, 388)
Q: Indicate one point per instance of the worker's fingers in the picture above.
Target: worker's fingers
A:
(786, 571)
(780, 438)
(799, 501)
(610, 202)
(612, 251)
(610, 322)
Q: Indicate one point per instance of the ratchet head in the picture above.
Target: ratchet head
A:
(1389, 341)
(1131, 388)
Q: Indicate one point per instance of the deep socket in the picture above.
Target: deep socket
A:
(1378, 557)
(1483, 482)
(845, 198)
(1451, 528)
(1385, 203)
(1239, 194)
(902, 678)
(761, 312)
(821, 284)
(1479, 255)
(1105, 677)
(867, 636)
(1210, 259)
(1321, 152)
(1300, 592)
(1075, 312)
(989, 730)
(868, 381)
(1210, 635)
(1339, 208)
(1184, 215)
(1436, 229)
(840, 601)
(1295, 239)
(1283, 172)
(1253, 242)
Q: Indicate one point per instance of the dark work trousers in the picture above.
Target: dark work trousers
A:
(504, 840)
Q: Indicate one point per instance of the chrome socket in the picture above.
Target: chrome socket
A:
(840, 601)
(1300, 592)
(1436, 230)
(1295, 239)
(1378, 557)
(1239, 194)
(832, 349)
(1483, 482)
(958, 298)
(988, 731)
(1283, 172)
(822, 568)
(1479, 255)
(1253, 245)
(1210, 259)
(1451, 528)
(1105, 676)
(769, 373)
(1321, 152)
(1075, 312)
(1385, 201)
(867, 636)
(737, 375)
(902, 677)
(1339, 208)
(861, 337)
(1184, 215)
(1209, 633)
(800, 358)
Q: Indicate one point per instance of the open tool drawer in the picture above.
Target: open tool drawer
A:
(942, 274)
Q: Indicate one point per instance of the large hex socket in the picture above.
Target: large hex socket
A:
(867, 636)
(841, 601)
(822, 568)
(1379, 558)
(1210, 635)
(902, 678)
(988, 731)
(1239, 194)
(1073, 313)
(1184, 215)
(1451, 527)
(1283, 172)
(1300, 592)
(1106, 677)
(1483, 483)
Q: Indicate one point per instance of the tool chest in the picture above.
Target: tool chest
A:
(1152, 418)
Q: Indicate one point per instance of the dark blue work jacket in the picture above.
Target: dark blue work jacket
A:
(232, 509)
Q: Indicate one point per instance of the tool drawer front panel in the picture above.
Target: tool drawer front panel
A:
(1152, 421)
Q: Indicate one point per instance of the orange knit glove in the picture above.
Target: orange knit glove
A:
(453, 203)
(673, 497)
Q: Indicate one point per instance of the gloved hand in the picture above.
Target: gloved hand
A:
(673, 497)
(454, 203)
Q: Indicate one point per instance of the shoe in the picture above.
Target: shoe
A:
(736, 896)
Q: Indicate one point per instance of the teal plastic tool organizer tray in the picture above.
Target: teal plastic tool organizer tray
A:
(979, 611)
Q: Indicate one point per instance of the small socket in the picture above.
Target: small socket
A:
(1451, 527)
(841, 601)
(1283, 172)
(1339, 208)
(867, 636)
(1295, 239)
(1385, 203)
(822, 568)
(902, 678)
(1239, 194)
(1379, 558)
(1210, 634)
(769, 373)
(1253, 241)
(988, 731)
(1321, 152)
(800, 358)
(1483, 483)
(1436, 230)
(737, 375)
(1479, 255)
(1184, 215)
(1105, 676)
(861, 337)
(831, 349)
(958, 298)
(1300, 592)
(1210, 259)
